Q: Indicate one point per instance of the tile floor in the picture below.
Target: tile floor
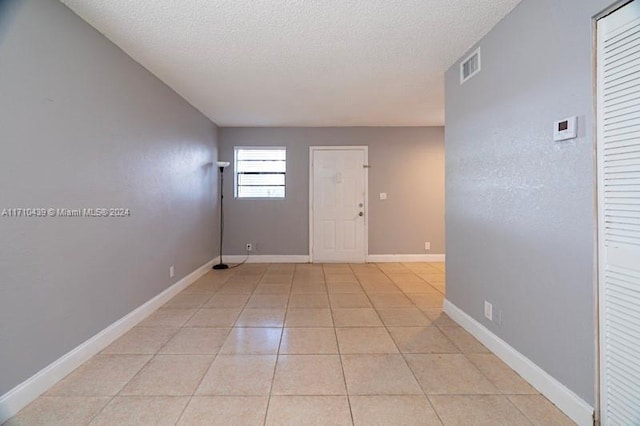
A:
(298, 344)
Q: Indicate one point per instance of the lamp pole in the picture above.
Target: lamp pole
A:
(221, 166)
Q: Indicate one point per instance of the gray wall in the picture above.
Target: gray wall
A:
(83, 125)
(520, 207)
(406, 162)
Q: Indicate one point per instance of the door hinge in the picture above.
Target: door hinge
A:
(366, 166)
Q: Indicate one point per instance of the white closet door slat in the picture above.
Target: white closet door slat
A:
(619, 214)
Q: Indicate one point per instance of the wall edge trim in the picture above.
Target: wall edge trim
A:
(565, 399)
(24, 393)
(266, 258)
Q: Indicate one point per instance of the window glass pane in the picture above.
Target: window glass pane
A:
(261, 166)
(261, 191)
(262, 179)
(261, 154)
(260, 172)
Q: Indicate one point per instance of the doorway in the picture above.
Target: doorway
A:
(338, 204)
(618, 151)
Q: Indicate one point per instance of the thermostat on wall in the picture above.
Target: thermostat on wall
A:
(565, 129)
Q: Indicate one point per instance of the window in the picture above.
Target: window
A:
(260, 172)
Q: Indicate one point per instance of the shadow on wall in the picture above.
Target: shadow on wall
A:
(8, 9)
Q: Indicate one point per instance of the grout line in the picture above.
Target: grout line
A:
(335, 333)
(275, 365)
(214, 357)
(403, 355)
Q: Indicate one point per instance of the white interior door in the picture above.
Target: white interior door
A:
(338, 204)
(618, 53)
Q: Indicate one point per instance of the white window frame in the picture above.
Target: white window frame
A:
(235, 174)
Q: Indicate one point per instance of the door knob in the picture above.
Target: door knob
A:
(361, 214)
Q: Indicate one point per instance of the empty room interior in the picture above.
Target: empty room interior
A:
(303, 212)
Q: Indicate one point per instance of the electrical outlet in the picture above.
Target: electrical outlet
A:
(383, 195)
(427, 245)
(172, 272)
(488, 310)
(249, 247)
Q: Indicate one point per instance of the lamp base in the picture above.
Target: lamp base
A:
(220, 266)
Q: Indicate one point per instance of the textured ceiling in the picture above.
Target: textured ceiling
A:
(300, 62)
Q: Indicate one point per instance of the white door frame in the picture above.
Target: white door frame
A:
(364, 148)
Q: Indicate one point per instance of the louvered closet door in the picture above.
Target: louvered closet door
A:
(619, 214)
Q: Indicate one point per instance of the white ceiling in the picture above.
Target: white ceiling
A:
(300, 62)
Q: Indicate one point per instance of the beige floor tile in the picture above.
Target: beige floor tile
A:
(169, 375)
(257, 341)
(403, 317)
(340, 301)
(476, 410)
(308, 287)
(301, 341)
(540, 411)
(422, 340)
(417, 287)
(379, 287)
(196, 341)
(187, 300)
(168, 318)
(227, 301)
(341, 278)
(239, 375)
(406, 277)
(102, 375)
(308, 411)
(203, 288)
(214, 317)
(441, 287)
(356, 317)
(142, 410)
(308, 375)
(379, 375)
(225, 411)
(283, 289)
(390, 300)
(277, 279)
(449, 374)
(405, 410)
(268, 301)
(141, 340)
(238, 288)
(427, 300)
(309, 301)
(500, 374)
(365, 340)
(345, 288)
(439, 318)
(59, 411)
(308, 317)
(463, 340)
(433, 278)
(261, 318)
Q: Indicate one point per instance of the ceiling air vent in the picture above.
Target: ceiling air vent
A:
(470, 66)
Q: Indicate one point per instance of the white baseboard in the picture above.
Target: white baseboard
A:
(567, 401)
(260, 258)
(381, 258)
(21, 395)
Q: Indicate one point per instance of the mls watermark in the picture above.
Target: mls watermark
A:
(66, 212)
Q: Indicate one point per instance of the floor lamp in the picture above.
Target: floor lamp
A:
(221, 166)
